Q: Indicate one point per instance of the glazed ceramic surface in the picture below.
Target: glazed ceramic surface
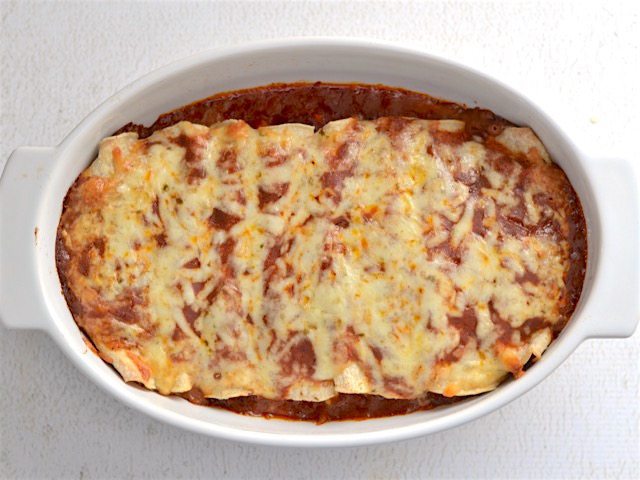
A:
(35, 180)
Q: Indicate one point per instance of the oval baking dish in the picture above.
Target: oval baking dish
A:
(37, 179)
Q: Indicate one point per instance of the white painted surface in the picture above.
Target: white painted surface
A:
(580, 62)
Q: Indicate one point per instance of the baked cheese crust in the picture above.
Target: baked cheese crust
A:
(391, 257)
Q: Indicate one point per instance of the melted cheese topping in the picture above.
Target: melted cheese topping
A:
(390, 257)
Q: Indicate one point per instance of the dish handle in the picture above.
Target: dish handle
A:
(616, 287)
(21, 184)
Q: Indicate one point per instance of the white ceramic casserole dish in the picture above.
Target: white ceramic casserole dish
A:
(36, 179)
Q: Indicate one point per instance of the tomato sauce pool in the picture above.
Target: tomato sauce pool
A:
(320, 103)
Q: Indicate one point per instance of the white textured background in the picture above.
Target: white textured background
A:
(579, 61)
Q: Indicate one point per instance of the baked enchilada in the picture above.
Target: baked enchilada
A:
(322, 269)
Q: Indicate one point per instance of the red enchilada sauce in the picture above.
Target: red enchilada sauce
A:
(320, 103)
(317, 104)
